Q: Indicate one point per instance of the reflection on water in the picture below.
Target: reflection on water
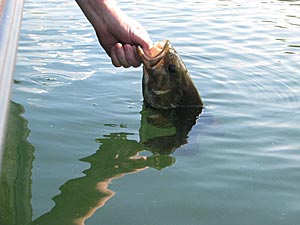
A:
(15, 186)
(161, 132)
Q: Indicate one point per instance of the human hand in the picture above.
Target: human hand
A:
(117, 33)
(120, 41)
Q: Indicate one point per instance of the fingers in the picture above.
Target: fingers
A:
(125, 56)
(118, 56)
(132, 56)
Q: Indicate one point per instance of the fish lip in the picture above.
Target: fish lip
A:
(161, 92)
(152, 61)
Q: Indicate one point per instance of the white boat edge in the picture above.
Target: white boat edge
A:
(10, 22)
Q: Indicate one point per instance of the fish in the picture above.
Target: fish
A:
(166, 82)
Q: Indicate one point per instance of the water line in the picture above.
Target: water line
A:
(10, 23)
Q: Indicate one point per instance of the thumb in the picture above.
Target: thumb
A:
(141, 37)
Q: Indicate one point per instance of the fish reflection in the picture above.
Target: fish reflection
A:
(161, 133)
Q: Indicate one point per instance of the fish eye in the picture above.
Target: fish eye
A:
(172, 68)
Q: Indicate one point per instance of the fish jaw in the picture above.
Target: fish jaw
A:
(153, 56)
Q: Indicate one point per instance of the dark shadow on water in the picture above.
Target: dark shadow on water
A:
(161, 133)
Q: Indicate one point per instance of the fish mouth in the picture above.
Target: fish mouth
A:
(161, 92)
(155, 54)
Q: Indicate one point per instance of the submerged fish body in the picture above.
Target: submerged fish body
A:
(166, 81)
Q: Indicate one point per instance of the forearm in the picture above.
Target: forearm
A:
(99, 12)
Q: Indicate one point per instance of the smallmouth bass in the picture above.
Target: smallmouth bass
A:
(166, 82)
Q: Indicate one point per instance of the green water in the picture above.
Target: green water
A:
(81, 149)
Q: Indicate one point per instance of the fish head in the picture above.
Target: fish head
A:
(166, 81)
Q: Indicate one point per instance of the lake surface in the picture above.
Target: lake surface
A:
(75, 151)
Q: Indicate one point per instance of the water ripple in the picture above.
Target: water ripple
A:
(244, 58)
